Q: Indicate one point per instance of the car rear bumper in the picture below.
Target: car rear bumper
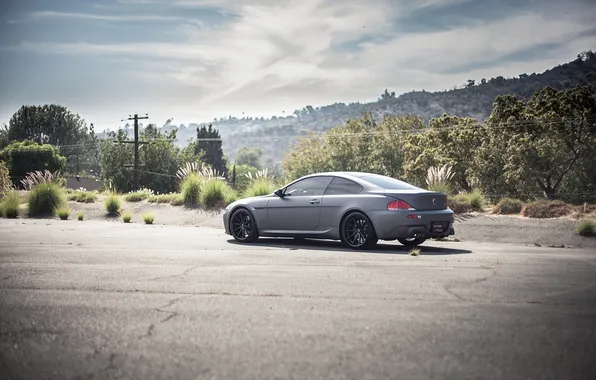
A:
(392, 225)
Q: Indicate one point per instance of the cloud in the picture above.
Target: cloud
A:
(103, 17)
(280, 54)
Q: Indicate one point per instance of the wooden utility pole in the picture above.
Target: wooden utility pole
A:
(136, 141)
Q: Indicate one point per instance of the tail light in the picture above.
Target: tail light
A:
(399, 205)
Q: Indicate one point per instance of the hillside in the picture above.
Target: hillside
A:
(275, 135)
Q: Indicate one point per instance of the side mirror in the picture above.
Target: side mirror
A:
(279, 193)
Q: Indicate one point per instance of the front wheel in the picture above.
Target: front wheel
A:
(357, 231)
(243, 226)
(412, 242)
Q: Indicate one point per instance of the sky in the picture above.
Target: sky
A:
(193, 60)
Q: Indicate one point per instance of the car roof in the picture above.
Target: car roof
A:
(342, 174)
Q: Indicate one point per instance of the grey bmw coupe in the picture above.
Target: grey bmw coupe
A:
(356, 208)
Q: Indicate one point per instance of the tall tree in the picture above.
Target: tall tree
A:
(208, 145)
(547, 137)
(48, 124)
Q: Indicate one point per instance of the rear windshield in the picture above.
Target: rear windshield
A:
(388, 182)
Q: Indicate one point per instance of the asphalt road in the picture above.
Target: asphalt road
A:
(102, 300)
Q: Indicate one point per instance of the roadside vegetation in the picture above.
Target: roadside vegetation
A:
(587, 228)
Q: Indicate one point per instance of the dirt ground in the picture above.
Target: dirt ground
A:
(479, 227)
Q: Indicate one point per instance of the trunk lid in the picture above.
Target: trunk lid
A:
(420, 200)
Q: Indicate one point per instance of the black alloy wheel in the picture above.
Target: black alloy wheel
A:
(243, 226)
(357, 231)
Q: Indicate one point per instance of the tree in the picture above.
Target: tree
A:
(249, 156)
(449, 140)
(208, 145)
(48, 124)
(160, 159)
(547, 137)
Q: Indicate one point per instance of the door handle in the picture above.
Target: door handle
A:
(314, 201)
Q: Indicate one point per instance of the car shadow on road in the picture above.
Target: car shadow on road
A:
(329, 245)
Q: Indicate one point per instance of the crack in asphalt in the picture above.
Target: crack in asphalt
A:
(449, 286)
(187, 271)
(169, 304)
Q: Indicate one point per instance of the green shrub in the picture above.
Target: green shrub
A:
(460, 204)
(191, 189)
(546, 209)
(258, 187)
(166, 198)
(466, 202)
(216, 193)
(508, 206)
(44, 198)
(80, 215)
(230, 196)
(25, 157)
(148, 218)
(138, 196)
(476, 199)
(112, 204)
(126, 217)
(82, 196)
(63, 212)
(11, 204)
(586, 228)
(176, 200)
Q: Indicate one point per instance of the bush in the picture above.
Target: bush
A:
(166, 198)
(126, 217)
(112, 203)
(80, 215)
(546, 209)
(587, 228)
(45, 198)
(460, 204)
(508, 206)
(11, 204)
(63, 213)
(82, 196)
(24, 157)
(258, 187)
(466, 202)
(138, 196)
(191, 189)
(476, 199)
(216, 193)
(148, 218)
(177, 200)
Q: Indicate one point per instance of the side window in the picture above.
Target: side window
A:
(342, 186)
(309, 187)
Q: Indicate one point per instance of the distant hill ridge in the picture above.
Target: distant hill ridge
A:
(474, 99)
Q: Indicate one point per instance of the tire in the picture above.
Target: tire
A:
(243, 226)
(412, 243)
(357, 231)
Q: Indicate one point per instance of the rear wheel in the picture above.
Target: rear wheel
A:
(357, 231)
(412, 242)
(243, 226)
